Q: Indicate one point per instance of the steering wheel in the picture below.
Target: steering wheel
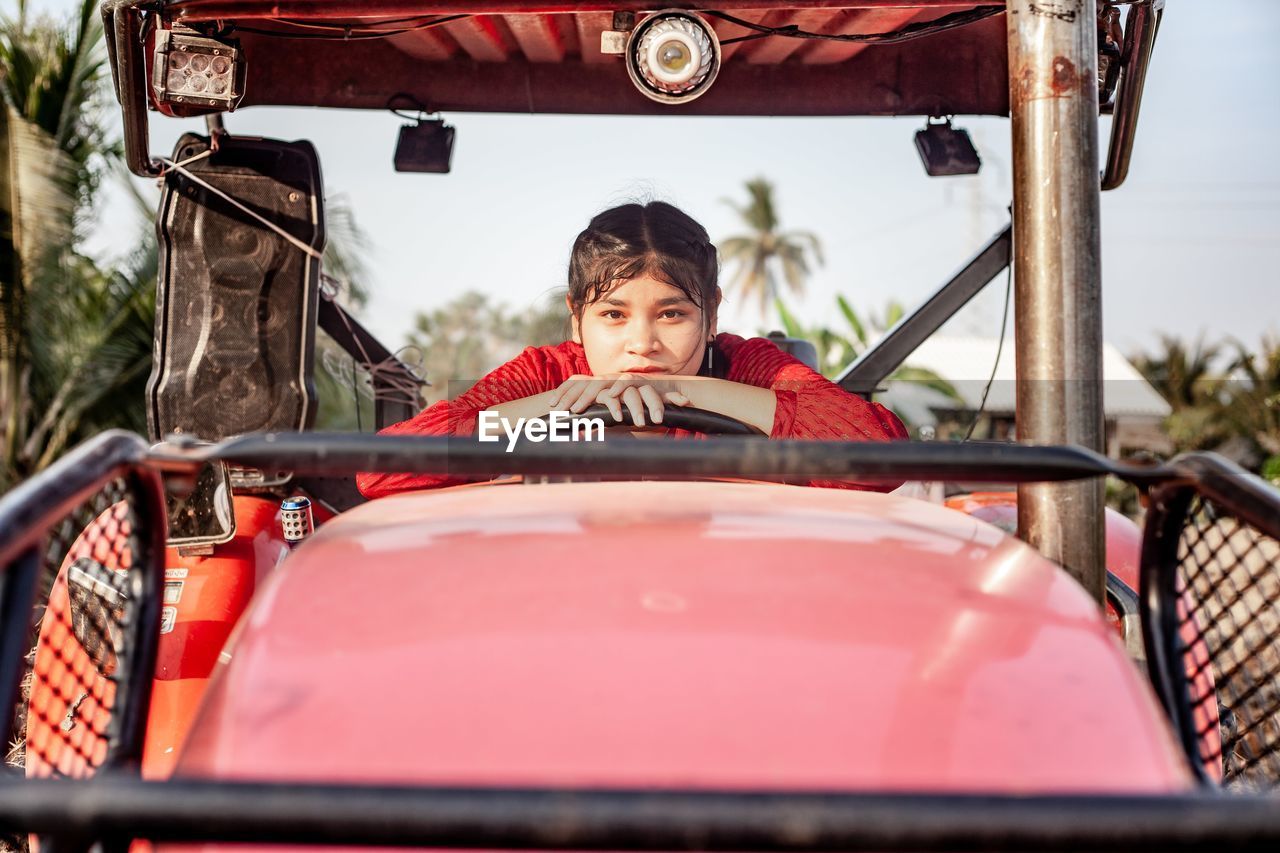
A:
(678, 417)
(675, 417)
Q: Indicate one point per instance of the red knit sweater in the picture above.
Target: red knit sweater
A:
(809, 405)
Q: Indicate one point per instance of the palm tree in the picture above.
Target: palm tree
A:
(69, 331)
(1185, 377)
(343, 387)
(767, 252)
(1253, 408)
(347, 248)
(108, 359)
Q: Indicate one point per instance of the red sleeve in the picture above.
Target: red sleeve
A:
(535, 370)
(810, 406)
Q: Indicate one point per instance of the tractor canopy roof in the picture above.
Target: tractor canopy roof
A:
(888, 57)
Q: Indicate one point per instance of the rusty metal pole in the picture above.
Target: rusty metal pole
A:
(1057, 270)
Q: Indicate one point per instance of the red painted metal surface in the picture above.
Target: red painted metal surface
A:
(1124, 552)
(71, 700)
(212, 595)
(1204, 715)
(1123, 548)
(545, 58)
(1124, 538)
(210, 10)
(702, 634)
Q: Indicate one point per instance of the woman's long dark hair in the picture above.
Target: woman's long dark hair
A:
(655, 239)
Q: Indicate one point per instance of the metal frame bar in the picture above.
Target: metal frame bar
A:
(1241, 494)
(136, 683)
(124, 25)
(656, 820)
(27, 513)
(866, 373)
(122, 22)
(28, 508)
(752, 458)
(1158, 602)
(18, 580)
(120, 807)
(1128, 608)
(1057, 271)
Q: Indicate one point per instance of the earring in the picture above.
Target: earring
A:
(709, 352)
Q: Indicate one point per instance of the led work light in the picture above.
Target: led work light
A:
(673, 56)
(194, 71)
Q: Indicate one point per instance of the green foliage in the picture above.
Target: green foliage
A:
(893, 312)
(346, 250)
(76, 336)
(75, 339)
(471, 335)
(547, 323)
(1123, 498)
(837, 348)
(92, 372)
(855, 322)
(1252, 407)
(1271, 470)
(926, 377)
(343, 389)
(767, 255)
(53, 77)
(1236, 408)
(1182, 374)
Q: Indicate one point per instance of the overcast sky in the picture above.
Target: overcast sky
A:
(1191, 243)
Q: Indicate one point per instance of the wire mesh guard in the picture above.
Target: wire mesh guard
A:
(73, 689)
(1228, 585)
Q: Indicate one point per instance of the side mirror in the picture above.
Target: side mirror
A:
(204, 515)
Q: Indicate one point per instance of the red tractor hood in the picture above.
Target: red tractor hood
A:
(709, 634)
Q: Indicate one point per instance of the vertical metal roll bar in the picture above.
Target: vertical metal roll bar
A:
(1053, 72)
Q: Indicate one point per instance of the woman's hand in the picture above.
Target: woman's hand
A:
(637, 391)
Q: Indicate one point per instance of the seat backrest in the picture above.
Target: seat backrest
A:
(796, 347)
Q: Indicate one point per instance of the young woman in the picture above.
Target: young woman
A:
(643, 299)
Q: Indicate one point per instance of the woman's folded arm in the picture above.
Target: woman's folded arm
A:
(812, 407)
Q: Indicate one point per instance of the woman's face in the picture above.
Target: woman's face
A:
(644, 326)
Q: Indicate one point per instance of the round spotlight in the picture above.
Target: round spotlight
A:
(673, 56)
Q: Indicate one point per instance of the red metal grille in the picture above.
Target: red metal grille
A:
(1228, 638)
(83, 626)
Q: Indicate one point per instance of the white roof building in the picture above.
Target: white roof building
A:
(966, 363)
